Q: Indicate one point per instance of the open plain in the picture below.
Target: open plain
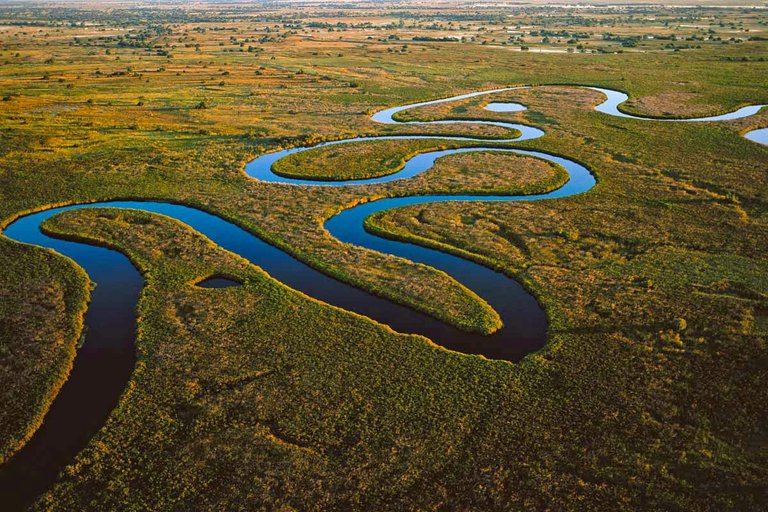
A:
(547, 308)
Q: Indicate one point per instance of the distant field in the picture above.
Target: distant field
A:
(651, 393)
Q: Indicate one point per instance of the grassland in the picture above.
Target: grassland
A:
(651, 393)
(358, 160)
(481, 172)
(40, 322)
(489, 172)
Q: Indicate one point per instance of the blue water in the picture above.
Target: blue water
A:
(760, 136)
(261, 167)
(616, 98)
(505, 107)
(105, 361)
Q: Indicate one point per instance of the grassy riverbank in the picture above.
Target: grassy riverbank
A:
(43, 301)
(359, 160)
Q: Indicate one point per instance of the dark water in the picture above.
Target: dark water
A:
(218, 282)
(102, 368)
(106, 359)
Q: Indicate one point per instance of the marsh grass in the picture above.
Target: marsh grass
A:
(255, 397)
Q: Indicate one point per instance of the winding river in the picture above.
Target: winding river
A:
(106, 359)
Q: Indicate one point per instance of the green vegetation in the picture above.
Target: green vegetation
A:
(358, 160)
(248, 376)
(41, 310)
(652, 391)
(482, 172)
(489, 172)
